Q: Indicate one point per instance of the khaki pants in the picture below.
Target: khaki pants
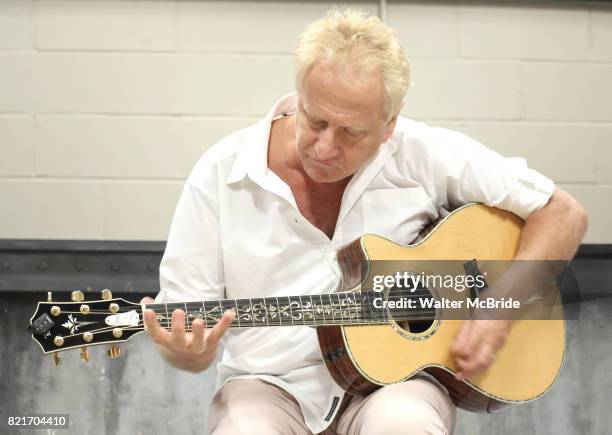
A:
(251, 406)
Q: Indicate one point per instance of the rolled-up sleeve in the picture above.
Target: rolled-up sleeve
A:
(466, 171)
(191, 268)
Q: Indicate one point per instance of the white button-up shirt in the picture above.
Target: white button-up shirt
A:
(237, 233)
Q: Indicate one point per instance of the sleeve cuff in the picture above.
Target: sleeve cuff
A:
(531, 191)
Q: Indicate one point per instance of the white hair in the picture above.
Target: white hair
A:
(351, 40)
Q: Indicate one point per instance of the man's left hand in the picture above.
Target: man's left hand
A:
(476, 346)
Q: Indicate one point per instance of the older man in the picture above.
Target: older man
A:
(265, 209)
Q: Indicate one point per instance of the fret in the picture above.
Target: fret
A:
(290, 309)
(271, 304)
(170, 307)
(347, 302)
(322, 309)
(193, 310)
(308, 309)
(174, 306)
(384, 311)
(340, 309)
(381, 314)
(301, 305)
(362, 315)
(266, 314)
(212, 312)
(244, 313)
(186, 311)
(345, 305)
(220, 311)
(297, 312)
(346, 315)
(363, 303)
(167, 317)
(307, 314)
(357, 318)
(260, 317)
(237, 312)
(358, 312)
(316, 309)
(310, 313)
(204, 315)
(375, 311)
(331, 308)
(367, 308)
(280, 318)
(284, 310)
(251, 310)
(227, 304)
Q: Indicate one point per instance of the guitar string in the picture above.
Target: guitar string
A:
(167, 326)
(235, 326)
(361, 318)
(331, 309)
(314, 321)
(358, 295)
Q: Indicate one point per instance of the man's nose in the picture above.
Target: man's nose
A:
(325, 147)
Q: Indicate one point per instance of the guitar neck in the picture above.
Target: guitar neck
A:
(311, 310)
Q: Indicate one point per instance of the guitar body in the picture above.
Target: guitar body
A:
(364, 358)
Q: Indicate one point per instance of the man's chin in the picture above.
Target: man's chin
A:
(322, 176)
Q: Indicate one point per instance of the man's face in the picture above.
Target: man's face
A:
(340, 123)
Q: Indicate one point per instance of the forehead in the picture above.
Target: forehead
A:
(330, 91)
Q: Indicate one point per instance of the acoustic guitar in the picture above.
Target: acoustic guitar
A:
(363, 346)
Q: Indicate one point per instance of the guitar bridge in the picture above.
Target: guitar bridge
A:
(471, 269)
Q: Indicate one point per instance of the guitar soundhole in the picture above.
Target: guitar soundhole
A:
(410, 309)
(415, 326)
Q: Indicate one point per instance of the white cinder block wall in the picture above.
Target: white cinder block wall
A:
(105, 105)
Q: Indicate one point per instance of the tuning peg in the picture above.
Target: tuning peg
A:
(107, 294)
(84, 354)
(56, 359)
(113, 351)
(77, 296)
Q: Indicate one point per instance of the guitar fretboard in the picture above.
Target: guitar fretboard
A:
(347, 308)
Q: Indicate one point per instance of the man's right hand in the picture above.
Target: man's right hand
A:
(191, 351)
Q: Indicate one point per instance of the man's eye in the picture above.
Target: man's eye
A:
(317, 125)
(351, 133)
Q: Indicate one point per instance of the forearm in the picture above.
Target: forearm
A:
(555, 231)
(549, 240)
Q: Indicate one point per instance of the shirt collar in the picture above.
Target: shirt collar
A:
(253, 158)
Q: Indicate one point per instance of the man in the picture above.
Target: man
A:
(265, 209)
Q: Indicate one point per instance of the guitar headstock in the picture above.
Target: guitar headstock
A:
(58, 326)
